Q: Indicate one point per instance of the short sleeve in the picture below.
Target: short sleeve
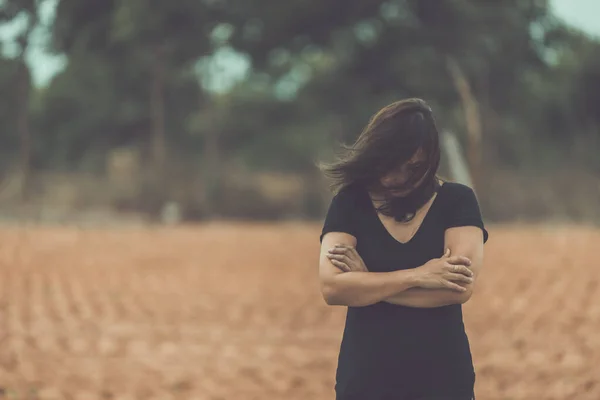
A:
(339, 217)
(464, 210)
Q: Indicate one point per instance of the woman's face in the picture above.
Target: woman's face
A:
(402, 174)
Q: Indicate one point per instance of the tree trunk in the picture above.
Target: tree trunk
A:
(211, 168)
(157, 110)
(457, 165)
(472, 119)
(23, 87)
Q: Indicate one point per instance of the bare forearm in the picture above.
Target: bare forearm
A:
(428, 298)
(359, 289)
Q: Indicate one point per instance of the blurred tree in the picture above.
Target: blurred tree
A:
(9, 139)
(167, 36)
(27, 11)
(456, 53)
(151, 48)
(153, 41)
(572, 119)
(507, 74)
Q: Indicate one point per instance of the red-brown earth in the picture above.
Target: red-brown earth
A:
(233, 311)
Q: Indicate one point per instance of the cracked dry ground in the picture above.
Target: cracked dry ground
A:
(232, 311)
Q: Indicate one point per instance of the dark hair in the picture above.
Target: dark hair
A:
(390, 139)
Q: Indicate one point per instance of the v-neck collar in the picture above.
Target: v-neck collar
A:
(373, 212)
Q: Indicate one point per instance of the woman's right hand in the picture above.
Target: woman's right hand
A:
(445, 272)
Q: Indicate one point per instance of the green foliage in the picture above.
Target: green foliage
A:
(318, 71)
(8, 108)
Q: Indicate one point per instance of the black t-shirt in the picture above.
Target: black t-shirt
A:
(396, 352)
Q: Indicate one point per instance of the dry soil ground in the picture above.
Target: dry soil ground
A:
(232, 311)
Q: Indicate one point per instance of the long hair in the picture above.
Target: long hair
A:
(390, 139)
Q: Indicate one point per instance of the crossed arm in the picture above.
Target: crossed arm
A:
(362, 288)
(466, 241)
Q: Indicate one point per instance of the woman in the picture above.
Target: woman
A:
(402, 250)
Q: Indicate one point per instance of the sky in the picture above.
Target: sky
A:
(582, 14)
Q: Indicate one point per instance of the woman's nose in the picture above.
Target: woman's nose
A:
(394, 181)
(388, 181)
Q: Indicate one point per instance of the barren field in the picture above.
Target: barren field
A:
(232, 311)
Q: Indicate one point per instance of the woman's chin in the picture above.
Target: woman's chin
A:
(399, 193)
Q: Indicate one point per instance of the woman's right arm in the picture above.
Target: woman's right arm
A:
(357, 288)
(349, 283)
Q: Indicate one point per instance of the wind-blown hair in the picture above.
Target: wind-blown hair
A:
(390, 139)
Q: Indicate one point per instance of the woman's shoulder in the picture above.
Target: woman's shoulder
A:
(351, 190)
(350, 195)
(455, 191)
(461, 207)
(456, 187)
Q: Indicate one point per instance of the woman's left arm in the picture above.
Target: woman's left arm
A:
(462, 241)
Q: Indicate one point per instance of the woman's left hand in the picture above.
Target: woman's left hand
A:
(346, 258)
